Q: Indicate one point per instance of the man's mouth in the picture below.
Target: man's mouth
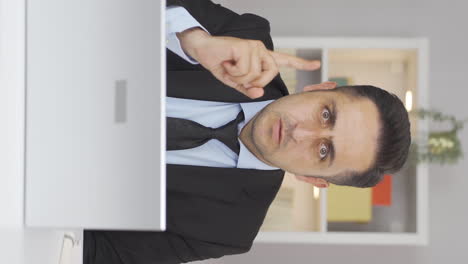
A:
(280, 131)
(277, 133)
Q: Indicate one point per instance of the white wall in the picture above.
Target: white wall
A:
(444, 23)
(17, 244)
(11, 113)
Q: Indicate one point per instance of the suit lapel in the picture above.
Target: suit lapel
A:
(202, 85)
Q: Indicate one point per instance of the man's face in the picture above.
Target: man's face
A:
(321, 133)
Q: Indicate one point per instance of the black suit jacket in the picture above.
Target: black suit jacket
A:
(211, 212)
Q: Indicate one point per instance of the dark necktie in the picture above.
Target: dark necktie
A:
(186, 134)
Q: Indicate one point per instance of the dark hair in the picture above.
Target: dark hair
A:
(393, 142)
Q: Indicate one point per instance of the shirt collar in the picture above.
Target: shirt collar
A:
(247, 160)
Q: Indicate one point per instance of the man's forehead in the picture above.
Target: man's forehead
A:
(355, 134)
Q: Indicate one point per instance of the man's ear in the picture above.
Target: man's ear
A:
(320, 86)
(317, 182)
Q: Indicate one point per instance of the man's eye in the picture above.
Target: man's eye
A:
(325, 114)
(323, 151)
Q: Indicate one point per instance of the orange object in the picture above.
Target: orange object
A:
(382, 192)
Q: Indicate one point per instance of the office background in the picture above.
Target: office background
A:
(443, 24)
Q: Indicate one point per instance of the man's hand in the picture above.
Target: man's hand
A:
(245, 65)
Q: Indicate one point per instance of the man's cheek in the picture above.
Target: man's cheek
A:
(301, 160)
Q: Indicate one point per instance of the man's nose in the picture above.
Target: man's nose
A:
(303, 133)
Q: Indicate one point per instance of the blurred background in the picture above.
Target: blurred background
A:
(390, 209)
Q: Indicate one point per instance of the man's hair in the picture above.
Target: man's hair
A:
(393, 141)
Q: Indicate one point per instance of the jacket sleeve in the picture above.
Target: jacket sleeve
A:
(132, 247)
(214, 17)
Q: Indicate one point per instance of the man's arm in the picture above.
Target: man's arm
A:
(244, 65)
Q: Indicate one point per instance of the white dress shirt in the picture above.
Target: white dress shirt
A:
(210, 114)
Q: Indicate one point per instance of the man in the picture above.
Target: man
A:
(217, 194)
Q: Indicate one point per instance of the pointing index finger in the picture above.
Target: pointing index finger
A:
(295, 62)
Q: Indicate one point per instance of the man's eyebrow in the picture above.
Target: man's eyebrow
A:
(334, 114)
(332, 154)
